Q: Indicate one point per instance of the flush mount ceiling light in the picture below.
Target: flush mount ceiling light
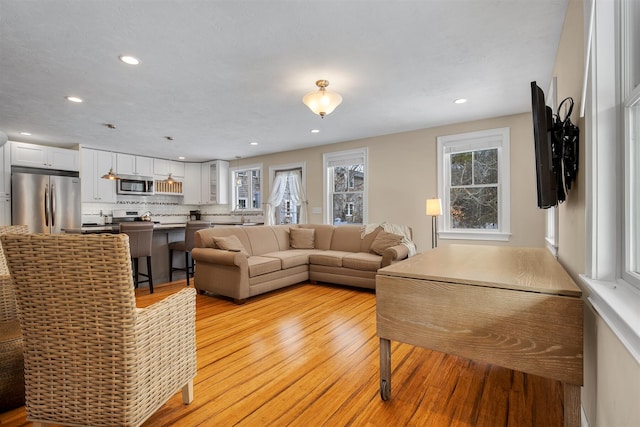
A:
(322, 102)
(73, 99)
(131, 60)
(111, 175)
(460, 101)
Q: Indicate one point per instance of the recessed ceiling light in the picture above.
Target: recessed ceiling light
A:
(73, 99)
(315, 130)
(129, 59)
(181, 158)
(25, 133)
(460, 101)
(253, 143)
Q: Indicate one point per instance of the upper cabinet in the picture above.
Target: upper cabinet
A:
(128, 164)
(192, 184)
(41, 156)
(162, 168)
(96, 163)
(215, 182)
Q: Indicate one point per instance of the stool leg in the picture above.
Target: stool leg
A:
(149, 273)
(135, 272)
(186, 266)
(171, 265)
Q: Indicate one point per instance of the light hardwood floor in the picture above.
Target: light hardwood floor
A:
(308, 355)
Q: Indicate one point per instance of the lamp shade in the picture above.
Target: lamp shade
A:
(434, 207)
(322, 102)
(110, 175)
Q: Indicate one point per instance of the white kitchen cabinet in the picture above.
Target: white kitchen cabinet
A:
(215, 182)
(162, 168)
(41, 156)
(94, 188)
(5, 171)
(129, 164)
(192, 184)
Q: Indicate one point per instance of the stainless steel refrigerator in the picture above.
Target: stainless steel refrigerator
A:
(47, 201)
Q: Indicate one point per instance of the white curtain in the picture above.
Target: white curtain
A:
(298, 198)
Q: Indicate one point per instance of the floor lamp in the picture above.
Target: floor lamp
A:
(434, 209)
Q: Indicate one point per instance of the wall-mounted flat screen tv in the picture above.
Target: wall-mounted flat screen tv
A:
(542, 124)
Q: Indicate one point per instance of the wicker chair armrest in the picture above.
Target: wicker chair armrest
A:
(393, 254)
(167, 329)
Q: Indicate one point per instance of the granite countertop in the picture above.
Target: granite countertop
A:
(114, 228)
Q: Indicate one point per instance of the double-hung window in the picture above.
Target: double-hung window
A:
(473, 184)
(246, 188)
(345, 183)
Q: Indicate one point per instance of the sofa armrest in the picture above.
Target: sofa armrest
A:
(219, 256)
(393, 254)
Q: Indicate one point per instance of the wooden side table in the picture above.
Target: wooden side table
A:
(511, 307)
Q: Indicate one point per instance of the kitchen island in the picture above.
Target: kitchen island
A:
(163, 234)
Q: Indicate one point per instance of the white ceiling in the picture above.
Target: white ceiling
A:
(216, 75)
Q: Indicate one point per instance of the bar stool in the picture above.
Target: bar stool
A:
(186, 246)
(140, 238)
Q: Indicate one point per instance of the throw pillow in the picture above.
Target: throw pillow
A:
(302, 238)
(230, 243)
(384, 241)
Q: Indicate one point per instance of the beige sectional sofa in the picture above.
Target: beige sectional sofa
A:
(240, 262)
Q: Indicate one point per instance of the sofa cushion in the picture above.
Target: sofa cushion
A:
(302, 238)
(346, 238)
(262, 265)
(292, 257)
(262, 239)
(323, 234)
(362, 261)
(230, 243)
(383, 241)
(330, 258)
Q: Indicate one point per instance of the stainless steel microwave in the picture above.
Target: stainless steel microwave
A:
(133, 184)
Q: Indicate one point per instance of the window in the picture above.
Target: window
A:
(287, 202)
(632, 207)
(287, 212)
(474, 185)
(346, 187)
(612, 161)
(246, 188)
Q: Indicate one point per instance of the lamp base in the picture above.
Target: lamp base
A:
(434, 232)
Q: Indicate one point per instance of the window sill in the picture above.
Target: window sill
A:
(471, 235)
(617, 303)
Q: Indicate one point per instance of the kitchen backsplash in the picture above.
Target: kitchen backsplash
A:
(164, 209)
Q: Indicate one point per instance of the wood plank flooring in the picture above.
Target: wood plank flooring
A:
(308, 356)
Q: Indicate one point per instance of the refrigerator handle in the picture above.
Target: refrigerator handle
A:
(53, 205)
(46, 205)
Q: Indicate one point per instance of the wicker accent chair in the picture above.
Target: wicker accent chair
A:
(7, 298)
(91, 357)
(11, 359)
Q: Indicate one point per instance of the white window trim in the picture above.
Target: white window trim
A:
(614, 299)
(232, 185)
(471, 141)
(326, 158)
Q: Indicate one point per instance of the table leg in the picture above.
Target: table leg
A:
(385, 369)
(571, 405)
